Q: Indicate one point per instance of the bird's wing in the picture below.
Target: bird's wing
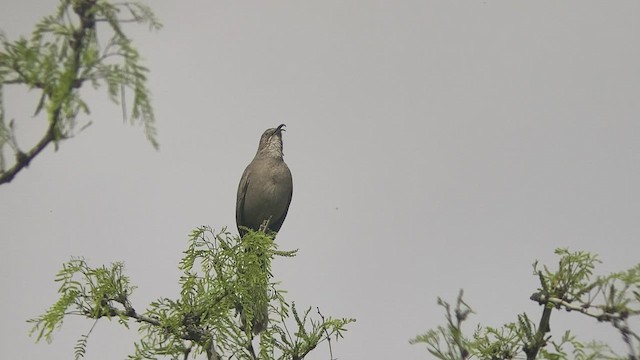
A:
(277, 223)
(242, 193)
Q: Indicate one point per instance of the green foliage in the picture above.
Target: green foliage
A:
(496, 343)
(82, 42)
(572, 279)
(86, 291)
(226, 282)
(447, 342)
(613, 298)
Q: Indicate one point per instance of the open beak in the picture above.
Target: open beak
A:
(280, 128)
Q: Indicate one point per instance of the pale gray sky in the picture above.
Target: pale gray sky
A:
(434, 145)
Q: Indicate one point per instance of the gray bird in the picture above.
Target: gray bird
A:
(266, 187)
(264, 195)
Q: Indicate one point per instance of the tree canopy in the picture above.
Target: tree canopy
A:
(225, 280)
(83, 42)
(573, 287)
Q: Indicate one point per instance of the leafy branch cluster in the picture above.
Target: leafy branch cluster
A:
(613, 298)
(226, 292)
(62, 54)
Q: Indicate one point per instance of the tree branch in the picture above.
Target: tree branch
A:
(584, 309)
(77, 42)
(532, 349)
(618, 318)
(23, 159)
(196, 335)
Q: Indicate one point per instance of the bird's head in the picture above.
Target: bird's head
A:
(271, 142)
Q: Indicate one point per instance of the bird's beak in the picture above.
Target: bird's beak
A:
(280, 128)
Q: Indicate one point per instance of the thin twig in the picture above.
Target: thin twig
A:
(625, 331)
(327, 333)
(187, 351)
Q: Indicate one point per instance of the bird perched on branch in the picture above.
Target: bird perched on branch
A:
(264, 195)
(266, 186)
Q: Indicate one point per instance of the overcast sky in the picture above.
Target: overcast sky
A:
(434, 145)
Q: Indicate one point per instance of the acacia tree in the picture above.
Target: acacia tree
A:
(614, 299)
(226, 280)
(82, 42)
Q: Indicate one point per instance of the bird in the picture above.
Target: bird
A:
(266, 187)
(264, 196)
